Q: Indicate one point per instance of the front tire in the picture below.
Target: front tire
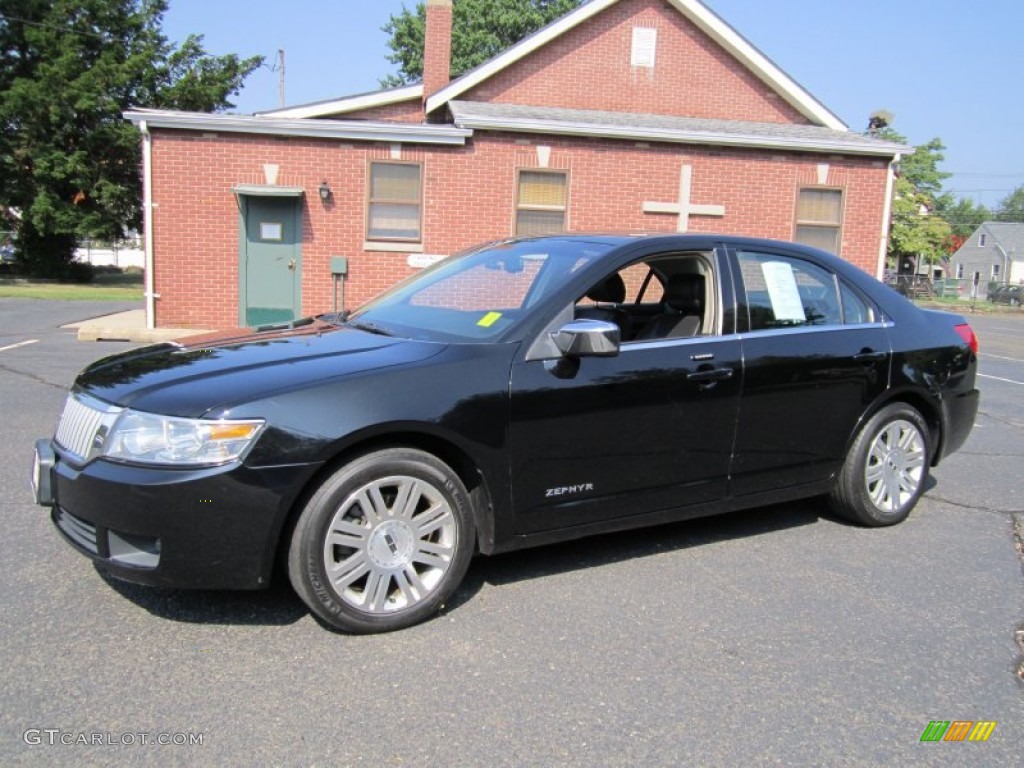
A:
(383, 542)
(886, 469)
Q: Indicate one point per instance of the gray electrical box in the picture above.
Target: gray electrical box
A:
(339, 265)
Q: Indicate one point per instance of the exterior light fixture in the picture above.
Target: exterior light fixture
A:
(325, 191)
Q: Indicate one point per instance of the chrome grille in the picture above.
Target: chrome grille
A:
(76, 529)
(81, 419)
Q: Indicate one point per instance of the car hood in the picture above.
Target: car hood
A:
(214, 373)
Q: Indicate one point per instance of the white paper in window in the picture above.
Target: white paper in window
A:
(645, 41)
(783, 291)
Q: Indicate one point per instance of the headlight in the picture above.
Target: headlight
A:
(149, 438)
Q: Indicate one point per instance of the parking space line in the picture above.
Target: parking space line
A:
(1001, 357)
(1000, 378)
(19, 344)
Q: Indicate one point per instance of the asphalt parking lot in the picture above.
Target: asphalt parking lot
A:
(776, 636)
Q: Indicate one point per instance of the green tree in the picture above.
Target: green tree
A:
(1011, 207)
(963, 214)
(481, 29)
(69, 162)
(917, 229)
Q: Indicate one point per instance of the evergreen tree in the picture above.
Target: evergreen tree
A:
(69, 161)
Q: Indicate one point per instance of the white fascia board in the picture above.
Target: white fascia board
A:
(349, 103)
(762, 67)
(353, 130)
(633, 133)
(516, 52)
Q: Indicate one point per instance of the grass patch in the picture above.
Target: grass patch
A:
(112, 287)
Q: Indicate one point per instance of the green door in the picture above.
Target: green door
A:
(271, 260)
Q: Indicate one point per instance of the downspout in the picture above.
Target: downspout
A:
(147, 220)
(890, 183)
(1006, 263)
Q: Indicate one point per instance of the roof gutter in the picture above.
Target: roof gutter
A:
(350, 130)
(641, 133)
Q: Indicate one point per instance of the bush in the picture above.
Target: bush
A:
(80, 272)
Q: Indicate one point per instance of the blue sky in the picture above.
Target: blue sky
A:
(945, 68)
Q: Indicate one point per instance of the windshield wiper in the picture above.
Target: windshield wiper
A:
(285, 326)
(334, 318)
(369, 328)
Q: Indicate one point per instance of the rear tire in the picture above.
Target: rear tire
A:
(383, 542)
(886, 469)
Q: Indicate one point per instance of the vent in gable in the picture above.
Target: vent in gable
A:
(645, 42)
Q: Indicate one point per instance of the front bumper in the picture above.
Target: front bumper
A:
(208, 528)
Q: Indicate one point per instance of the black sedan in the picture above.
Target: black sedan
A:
(525, 392)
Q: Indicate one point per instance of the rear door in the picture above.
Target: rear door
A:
(816, 354)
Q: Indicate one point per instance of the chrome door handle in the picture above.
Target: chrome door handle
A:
(869, 356)
(711, 375)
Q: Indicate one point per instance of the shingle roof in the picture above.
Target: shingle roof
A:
(1009, 235)
(519, 118)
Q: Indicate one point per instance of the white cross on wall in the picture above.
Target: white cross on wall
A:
(684, 208)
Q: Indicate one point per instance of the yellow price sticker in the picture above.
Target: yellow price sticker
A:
(489, 319)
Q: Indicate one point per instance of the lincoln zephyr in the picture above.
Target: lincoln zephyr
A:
(523, 392)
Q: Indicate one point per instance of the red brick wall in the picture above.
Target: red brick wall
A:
(469, 196)
(589, 68)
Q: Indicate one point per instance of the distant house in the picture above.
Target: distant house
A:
(624, 115)
(994, 253)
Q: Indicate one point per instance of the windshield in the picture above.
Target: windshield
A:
(479, 295)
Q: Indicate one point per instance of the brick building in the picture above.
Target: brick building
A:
(624, 115)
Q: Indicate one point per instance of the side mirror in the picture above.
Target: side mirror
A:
(588, 338)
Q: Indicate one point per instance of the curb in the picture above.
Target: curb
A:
(96, 332)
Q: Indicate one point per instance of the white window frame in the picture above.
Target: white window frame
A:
(370, 201)
(563, 209)
(837, 227)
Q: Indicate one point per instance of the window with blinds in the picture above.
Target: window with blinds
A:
(541, 200)
(395, 201)
(819, 218)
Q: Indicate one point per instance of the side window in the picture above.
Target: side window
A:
(786, 292)
(668, 296)
(856, 310)
(642, 286)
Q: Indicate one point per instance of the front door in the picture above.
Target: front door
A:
(271, 260)
(626, 435)
(646, 431)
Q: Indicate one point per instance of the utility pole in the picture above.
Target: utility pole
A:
(280, 77)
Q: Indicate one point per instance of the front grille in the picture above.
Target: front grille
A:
(76, 529)
(81, 419)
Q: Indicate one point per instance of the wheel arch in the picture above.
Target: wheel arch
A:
(930, 411)
(445, 450)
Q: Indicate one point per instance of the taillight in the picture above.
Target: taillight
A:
(967, 334)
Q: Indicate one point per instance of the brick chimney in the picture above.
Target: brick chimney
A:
(437, 47)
